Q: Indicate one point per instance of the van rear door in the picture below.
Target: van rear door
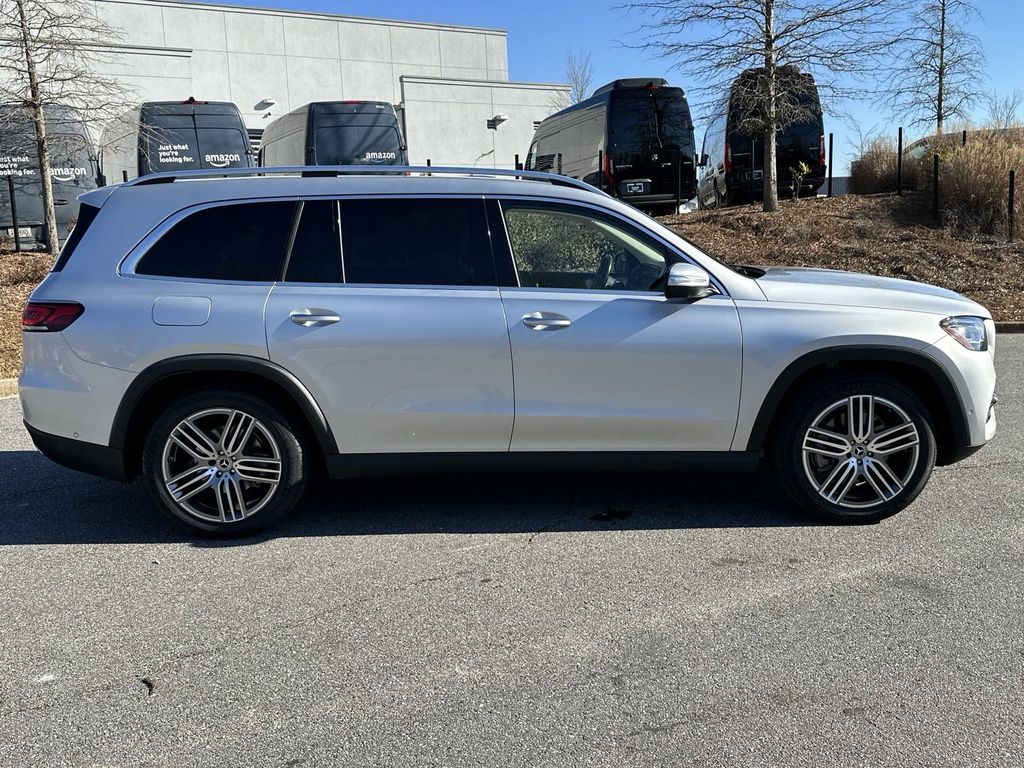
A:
(187, 142)
(651, 142)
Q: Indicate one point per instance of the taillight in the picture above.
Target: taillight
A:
(728, 159)
(607, 170)
(821, 151)
(42, 316)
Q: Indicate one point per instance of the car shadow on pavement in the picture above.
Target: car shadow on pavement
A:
(42, 503)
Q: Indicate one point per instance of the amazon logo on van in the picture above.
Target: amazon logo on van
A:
(221, 161)
(381, 156)
(67, 173)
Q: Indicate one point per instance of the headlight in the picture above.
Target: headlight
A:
(969, 331)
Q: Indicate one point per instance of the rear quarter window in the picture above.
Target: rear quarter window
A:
(86, 216)
(244, 242)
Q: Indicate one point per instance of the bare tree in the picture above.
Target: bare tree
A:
(939, 65)
(773, 44)
(51, 56)
(578, 75)
(1004, 111)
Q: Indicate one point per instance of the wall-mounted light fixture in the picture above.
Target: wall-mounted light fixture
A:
(495, 121)
(265, 103)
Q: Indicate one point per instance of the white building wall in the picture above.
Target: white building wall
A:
(446, 119)
(244, 55)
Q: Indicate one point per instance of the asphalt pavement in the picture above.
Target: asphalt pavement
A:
(583, 620)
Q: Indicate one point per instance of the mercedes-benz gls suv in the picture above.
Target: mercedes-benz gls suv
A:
(223, 337)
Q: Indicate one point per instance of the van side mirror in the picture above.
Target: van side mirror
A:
(687, 281)
(704, 160)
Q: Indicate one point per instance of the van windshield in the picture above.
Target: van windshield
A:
(354, 144)
(651, 119)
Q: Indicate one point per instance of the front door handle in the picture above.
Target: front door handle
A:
(546, 321)
(310, 318)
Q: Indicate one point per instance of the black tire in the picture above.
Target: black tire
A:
(273, 436)
(910, 467)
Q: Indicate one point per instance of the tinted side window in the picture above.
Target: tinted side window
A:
(228, 242)
(416, 242)
(562, 248)
(316, 251)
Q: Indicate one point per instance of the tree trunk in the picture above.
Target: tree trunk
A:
(42, 142)
(771, 171)
(940, 96)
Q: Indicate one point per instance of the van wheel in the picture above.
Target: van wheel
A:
(859, 449)
(225, 463)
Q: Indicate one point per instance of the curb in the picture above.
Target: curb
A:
(1009, 327)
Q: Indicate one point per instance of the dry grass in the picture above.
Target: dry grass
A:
(973, 182)
(879, 234)
(875, 170)
(973, 178)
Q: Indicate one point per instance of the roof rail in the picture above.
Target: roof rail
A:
(169, 177)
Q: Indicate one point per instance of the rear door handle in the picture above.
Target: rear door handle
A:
(310, 318)
(546, 321)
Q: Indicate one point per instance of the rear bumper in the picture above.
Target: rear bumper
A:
(76, 454)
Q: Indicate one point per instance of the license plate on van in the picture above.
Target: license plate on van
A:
(636, 187)
(22, 232)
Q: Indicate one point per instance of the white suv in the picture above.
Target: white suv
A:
(225, 336)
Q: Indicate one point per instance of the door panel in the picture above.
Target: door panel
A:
(402, 369)
(602, 360)
(390, 316)
(630, 372)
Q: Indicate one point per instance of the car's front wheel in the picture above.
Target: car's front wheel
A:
(225, 463)
(860, 448)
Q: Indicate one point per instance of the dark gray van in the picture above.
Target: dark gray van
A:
(73, 171)
(733, 155)
(642, 131)
(335, 133)
(174, 136)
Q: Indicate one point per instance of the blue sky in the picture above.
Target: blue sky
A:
(541, 31)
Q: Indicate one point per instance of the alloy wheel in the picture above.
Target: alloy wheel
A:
(221, 465)
(861, 452)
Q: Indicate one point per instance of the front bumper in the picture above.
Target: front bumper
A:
(94, 459)
(973, 376)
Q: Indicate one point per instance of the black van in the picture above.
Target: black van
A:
(732, 169)
(642, 129)
(174, 136)
(73, 171)
(335, 133)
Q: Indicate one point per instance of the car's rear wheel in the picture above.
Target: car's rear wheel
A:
(859, 448)
(224, 463)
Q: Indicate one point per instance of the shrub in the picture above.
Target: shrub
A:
(973, 181)
(875, 170)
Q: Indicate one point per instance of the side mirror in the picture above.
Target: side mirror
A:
(703, 160)
(687, 281)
